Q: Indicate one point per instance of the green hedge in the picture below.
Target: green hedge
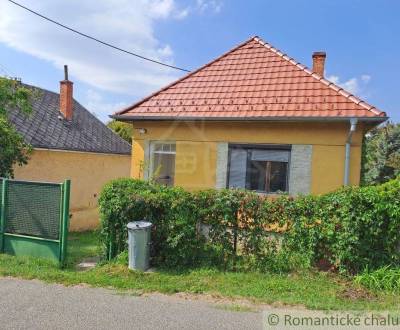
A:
(354, 228)
(347, 230)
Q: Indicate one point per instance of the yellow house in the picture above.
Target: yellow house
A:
(253, 118)
(71, 143)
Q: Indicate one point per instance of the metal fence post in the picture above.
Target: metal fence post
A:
(65, 222)
(110, 253)
(61, 221)
(3, 213)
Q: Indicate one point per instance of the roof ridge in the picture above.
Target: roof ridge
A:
(81, 106)
(39, 88)
(67, 137)
(184, 77)
(324, 81)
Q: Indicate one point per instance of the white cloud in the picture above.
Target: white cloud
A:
(166, 51)
(352, 85)
(161, 8)
(96, 104)
(355, 85)
(365, 78)
(211, 5)
(126, 23)
(182, 14)
(166, 9)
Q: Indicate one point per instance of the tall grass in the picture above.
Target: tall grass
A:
(385, 278)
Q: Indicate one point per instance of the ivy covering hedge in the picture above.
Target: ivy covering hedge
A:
(347, 230)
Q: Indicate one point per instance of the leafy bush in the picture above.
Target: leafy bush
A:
(351, 229)
(347, 230)
(385, 278)
(171, 211)
(117, 209)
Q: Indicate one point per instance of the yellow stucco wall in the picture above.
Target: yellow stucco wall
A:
(88, 173)
(196, 145)
(195, 164)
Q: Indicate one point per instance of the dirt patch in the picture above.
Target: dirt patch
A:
(352, 293)
(87, 264)
(221, 302)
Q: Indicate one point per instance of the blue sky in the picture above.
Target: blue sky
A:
(361, 38)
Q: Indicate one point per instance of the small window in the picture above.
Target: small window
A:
(163, 163)
(262, 169)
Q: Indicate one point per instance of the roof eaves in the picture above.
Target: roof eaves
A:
(92, 151)
(176, 118)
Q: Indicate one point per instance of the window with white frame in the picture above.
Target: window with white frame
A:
(162, 162)
(260, 168)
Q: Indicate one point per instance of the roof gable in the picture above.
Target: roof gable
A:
(45, 127)
(252, 81)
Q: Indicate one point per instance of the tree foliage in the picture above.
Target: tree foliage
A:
(381, 154)
(124, 130)
(13, 149)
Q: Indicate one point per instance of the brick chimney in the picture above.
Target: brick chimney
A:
(319, 62)
(66, 98)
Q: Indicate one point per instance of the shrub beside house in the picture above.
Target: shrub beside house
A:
(348, 230)
(253, 118)
(69, 142)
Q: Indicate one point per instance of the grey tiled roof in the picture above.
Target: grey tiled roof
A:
(46, 128)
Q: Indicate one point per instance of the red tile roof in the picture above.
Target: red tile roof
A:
(252, 81)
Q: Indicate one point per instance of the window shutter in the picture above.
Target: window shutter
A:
(222, 165)
(237, 168)
(300, 169)
(270, 155)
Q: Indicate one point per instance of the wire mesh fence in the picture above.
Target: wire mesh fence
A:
(34, 209)
(34, 218)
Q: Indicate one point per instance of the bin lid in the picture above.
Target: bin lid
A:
(136, 225)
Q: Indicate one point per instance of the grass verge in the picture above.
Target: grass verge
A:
(385, 278)
(314, 290)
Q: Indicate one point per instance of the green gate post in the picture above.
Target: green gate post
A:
(65, 222)
(3, 213)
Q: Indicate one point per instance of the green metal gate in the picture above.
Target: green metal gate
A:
(34, 218)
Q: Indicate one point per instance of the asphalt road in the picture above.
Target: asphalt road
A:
(36, 305)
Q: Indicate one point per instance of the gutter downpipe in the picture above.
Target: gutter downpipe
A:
(353, 125)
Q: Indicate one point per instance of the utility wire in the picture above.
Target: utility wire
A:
(4, 70)
(97, 40)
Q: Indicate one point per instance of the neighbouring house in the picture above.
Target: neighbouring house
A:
(71, 143)
(253, 118)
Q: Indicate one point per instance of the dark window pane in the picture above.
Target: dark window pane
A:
(257, 175)
(262, 170)
(278, 177)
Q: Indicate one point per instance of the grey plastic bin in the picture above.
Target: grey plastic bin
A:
(139, 244)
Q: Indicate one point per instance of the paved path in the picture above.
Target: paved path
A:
(36, 305)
